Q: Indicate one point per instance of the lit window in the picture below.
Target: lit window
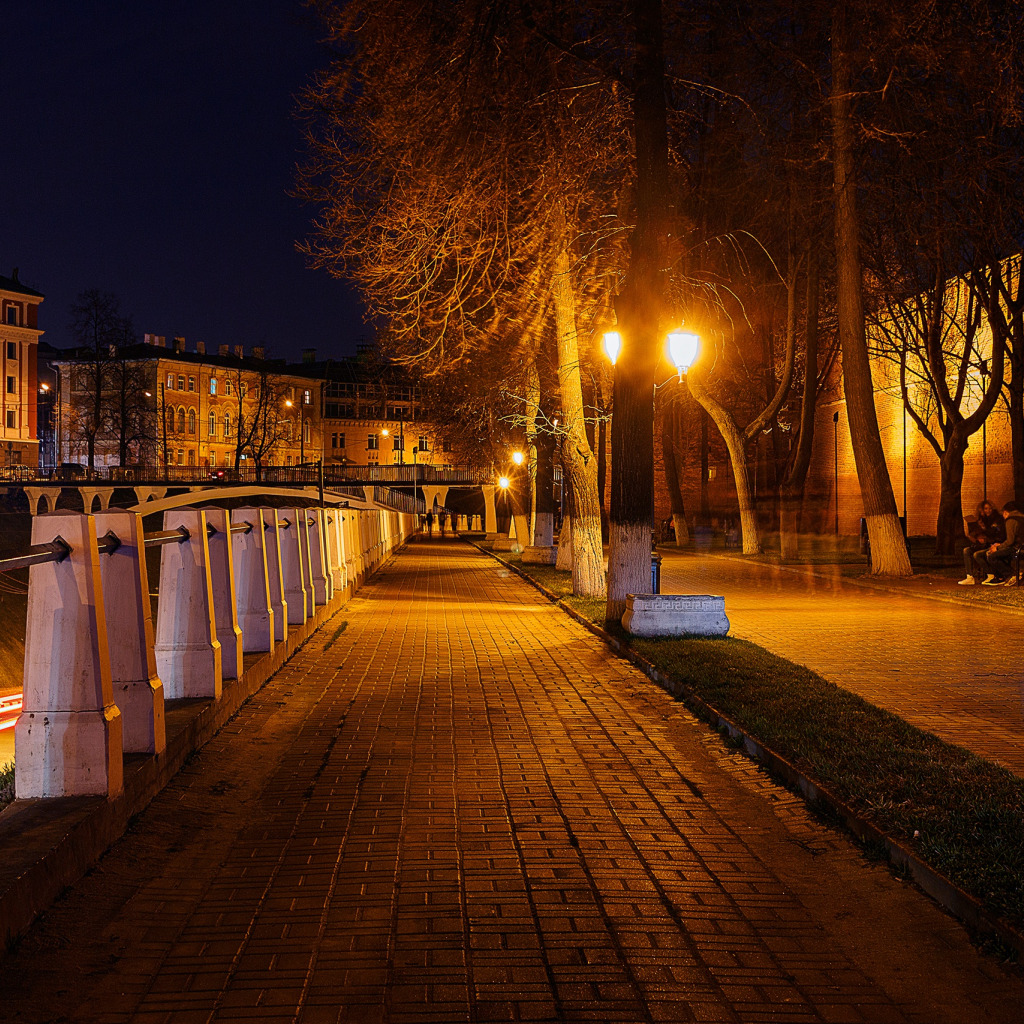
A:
(213, 385)
(181, 383)
(371, 442)
(170, 382)
(191, 383)
(307, 398)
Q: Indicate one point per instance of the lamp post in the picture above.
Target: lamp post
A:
(835, 451)
(683, 348)
(984, 436)
(302, 435)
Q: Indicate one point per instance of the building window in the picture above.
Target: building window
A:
(191, 421)
(12, 385)
(170, 382)
(305, 432)
(12, 315)
(307, 398)
(191, 383)
(191, 457)
(334, 440)
(287, 460)
(12, 350)
(213, 458)
(243, 389)
(213, 425)
(12, 419)
(371, 442)
(181, 456)
(423, 444)
(181, 423)
(341, 440)
(227, 424)
(227, 387)
(213, 385)
(396, 443)
(181, 383)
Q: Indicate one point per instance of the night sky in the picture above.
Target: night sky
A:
(147, 148)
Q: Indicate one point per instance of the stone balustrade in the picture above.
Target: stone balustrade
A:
(97, 672)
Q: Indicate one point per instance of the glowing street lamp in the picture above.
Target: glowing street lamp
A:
(504, 482)
(613, 345)
(683, 349)
(517, 458)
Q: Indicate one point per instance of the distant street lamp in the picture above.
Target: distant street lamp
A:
(504, 483)
(302, 430)
(613, 346)
(517, 458)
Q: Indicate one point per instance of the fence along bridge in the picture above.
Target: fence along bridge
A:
(232, 582)
(388, 486)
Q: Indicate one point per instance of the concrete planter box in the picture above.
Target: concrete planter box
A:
(675, 615)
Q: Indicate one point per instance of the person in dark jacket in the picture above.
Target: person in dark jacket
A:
(988, 528)
(996, 559)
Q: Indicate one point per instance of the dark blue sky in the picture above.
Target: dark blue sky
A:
(146, 150)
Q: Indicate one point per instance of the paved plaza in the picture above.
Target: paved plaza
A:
(953, 669)
(463, 807)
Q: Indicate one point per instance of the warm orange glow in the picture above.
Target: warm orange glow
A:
(517, 458)
(503, 482)
(288, 402)
(385, 432)
(613, 345)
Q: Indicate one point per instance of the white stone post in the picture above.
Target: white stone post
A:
(188, 653)
(67, 740)
(320, 577)
(138, 692)
(289, 520)
(336, 549)
(252, 580)
(222, 580)
(302, 520)
(275, 579)
(490, 513)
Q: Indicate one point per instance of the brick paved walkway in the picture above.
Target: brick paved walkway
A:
(464, 808)
(954, 669)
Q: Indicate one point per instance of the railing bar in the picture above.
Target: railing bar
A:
(178, 536)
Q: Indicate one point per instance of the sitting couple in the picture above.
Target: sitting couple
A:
(994, 538)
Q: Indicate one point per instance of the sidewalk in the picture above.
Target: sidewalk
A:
(464, 807)
(951, 667)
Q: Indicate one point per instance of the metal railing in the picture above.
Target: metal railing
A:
(307, 475)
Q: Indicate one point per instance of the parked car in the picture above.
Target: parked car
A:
(18, 472)
(224, 473)
(70, 471)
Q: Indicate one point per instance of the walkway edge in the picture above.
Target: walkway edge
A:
(48, 845)
(970, 911)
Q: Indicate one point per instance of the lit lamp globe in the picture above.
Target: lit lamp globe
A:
(503, 482)
(683, 349)
(612, 345)
(517, 458)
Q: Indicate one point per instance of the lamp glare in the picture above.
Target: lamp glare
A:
(613, 345)
(683, 349)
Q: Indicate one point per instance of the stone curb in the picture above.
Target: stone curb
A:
(48, 845)
(969, 910)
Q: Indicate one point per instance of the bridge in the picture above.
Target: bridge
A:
(410, 489)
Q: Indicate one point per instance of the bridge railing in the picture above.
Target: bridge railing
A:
(98, 669)
(309, 474)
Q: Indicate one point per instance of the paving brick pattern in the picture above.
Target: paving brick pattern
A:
(953, 669)
(464, 808)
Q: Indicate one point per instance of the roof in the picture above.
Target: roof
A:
(12, 284)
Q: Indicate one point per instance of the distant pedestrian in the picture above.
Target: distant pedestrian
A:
(996, 559)
(442, 520)
(988, 528)
(430, 524)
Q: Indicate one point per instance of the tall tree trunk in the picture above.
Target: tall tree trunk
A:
(949, 527)
(671, 463)
(602, 472)
(532, 411)
(578, 462)
(639, 309)
(543, 532)
(888, 548)
(796, 477)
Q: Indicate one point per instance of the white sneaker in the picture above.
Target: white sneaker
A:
(993, 581)
(967, 581)
(988, 579)
(1011, 582)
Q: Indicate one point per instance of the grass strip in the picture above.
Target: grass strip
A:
(959, 813)
(6, 784)
(334, 636)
